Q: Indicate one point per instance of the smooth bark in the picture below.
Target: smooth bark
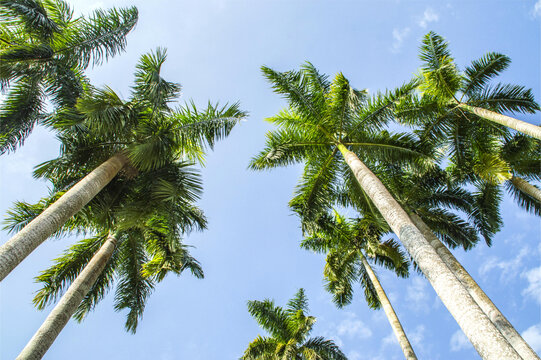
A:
(494, 314)
(398, 330)
(518, 125)
(526, 187)
(38, 230)
(66, 307)
(486, 339)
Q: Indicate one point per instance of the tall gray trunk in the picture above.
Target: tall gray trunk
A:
(66, 307)
(486, 339)
(38, 230)
(518, 125)
(399, 332)
(526, 187)
(476, 292)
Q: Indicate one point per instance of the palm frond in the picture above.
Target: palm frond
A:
(482, 70)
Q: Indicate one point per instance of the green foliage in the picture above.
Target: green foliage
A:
(289, 329)
(43, 54)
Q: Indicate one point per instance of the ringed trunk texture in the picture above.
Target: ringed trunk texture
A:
(398, 330)
(66, 307)
(476, 292)
(38, 230)
(518, 125)
(485, 338)
(526, 187)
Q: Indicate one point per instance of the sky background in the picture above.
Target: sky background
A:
(250, 250)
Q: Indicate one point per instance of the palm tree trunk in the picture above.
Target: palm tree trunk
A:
(518, 125)
(494, 314)
(66, 307)
(486, 339)
(398, 330)
(526, 187)
(38, 230)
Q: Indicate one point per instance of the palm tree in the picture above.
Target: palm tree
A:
(44, 51)
(349, 246)
(468, 97)
(428, 199)
(289, 329)
(139, 223)
(108, 136)
(511, 163)
(327, 125)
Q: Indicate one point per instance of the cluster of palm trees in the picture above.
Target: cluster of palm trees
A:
(126, 179)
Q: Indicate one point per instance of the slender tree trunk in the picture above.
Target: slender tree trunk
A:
(526, 187)
(38, 230)
(486, 339)
(398, 330)
(66, 307)
(518, 125)
(476, 292)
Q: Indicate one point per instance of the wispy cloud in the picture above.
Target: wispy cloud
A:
(510, 268)
(399, 36)
(459, 341)
(353, 327)
(537, 8)
(429, 16)
(532, 335)
(533, 276)
(416, 295)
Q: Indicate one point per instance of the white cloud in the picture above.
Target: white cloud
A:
(390, 339)
(417, 295)
(510, 268)
(459, 341)
(399, 35)
(353, 328)
(354, 355)
(532, 335)
(417, 337)
(533, 276)
(537, 8)
(428, 16)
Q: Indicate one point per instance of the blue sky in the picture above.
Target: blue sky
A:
(250, 250)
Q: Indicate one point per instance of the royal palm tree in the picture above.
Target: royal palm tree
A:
(105, 135)
(451, 98)
(329, 123)
(429, 199)
(139, 223)
(44, 51)
(510, 164)
(289, 329)
(350, 247)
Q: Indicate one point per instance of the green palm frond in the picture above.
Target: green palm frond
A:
(149, 85)
(321, 348)
(314, 193)
(31, 14)
(294, 86)
(99, 37)
(202, 128)
(21, 109)
(485, 211)
(298, 302)
(271, 318)
(505, 97)
(341, 271)
(482, 70)
(370, 293)
(133, 288)
(524, 200)
(58, 277)
(262, 348)
(98, 291)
